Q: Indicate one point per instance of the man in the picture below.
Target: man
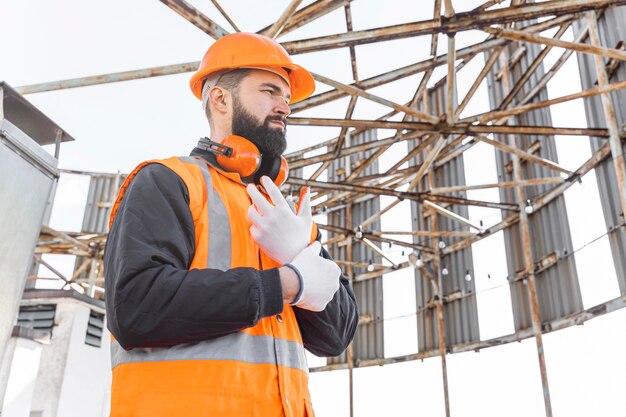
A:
(213, 286)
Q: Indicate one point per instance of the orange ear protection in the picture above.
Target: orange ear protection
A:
(239, 155)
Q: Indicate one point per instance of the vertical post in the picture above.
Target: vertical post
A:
(615, 142)
(113, 196)
(450, 120)
(93, 277)
(437, 284)
(350, 352)
(451, 81)
(57, 143)
(441, 332)
(1, 103)
(527, 254)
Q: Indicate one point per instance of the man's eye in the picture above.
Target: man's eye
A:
(268, 91)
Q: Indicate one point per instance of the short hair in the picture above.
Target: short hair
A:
(229, 81)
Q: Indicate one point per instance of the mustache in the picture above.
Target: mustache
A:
(277, 118)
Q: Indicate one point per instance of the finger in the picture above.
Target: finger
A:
(255, 233)
(262, 205)
(273, 191)
(314, 247)
(304, 206)
(254, 216)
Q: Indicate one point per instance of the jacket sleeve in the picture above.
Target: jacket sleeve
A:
(152, 299)
(330, 331)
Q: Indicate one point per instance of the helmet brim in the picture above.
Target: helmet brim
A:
(301, 82)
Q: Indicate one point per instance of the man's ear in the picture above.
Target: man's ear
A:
(219, 100)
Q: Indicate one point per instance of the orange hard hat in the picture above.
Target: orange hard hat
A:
(249, 50)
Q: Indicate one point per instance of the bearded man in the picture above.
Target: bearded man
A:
(215, 284)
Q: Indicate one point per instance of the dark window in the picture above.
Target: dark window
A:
(40, 317)
(94, 329)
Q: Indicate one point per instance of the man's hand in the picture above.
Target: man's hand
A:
(319, 278)
(280, 232)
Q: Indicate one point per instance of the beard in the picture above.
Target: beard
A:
(271, 141)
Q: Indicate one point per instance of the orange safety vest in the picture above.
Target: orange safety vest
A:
(259, 371)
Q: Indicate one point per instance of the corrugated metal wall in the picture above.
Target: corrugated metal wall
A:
(102, 193)
(557, 287)
(460, 315)
(612, 28)
(368, 342)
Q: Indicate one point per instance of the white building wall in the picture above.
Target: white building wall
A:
(64, 377)
(74, 378)
(53, 359)
(22, 358)
(87, 376)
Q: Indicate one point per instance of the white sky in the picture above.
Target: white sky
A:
(119, 125)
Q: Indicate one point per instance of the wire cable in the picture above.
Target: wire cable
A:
(420, 310)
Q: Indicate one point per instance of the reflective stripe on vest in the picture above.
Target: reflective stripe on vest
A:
(220, 241)
(240, 347)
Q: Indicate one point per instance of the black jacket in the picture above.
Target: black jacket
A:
(152, 299)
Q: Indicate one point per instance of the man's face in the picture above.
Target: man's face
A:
(260, 110)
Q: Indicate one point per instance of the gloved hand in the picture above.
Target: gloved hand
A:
(280, 232)
(319, 278)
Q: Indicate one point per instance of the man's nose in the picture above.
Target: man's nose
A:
(283, 107)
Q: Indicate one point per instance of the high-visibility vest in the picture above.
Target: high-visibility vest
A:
(259, 371)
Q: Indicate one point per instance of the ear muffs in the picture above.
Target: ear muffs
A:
(275, 168)
(244, 157)
(239, 155)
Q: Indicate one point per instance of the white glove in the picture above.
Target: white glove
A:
(319, 278)
(280, 232)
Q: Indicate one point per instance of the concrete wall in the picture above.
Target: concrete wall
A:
(19, 369)
(53, 359)
(74, 378)
(87, 371)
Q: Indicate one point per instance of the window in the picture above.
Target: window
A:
(40, 317)
(94, 329)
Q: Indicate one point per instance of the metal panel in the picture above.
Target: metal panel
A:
(368, 341)
(557, 286)
(612, 28)
(27, 174)
(460, 315)
(102, 193)
(103, 190)
(29, 119)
